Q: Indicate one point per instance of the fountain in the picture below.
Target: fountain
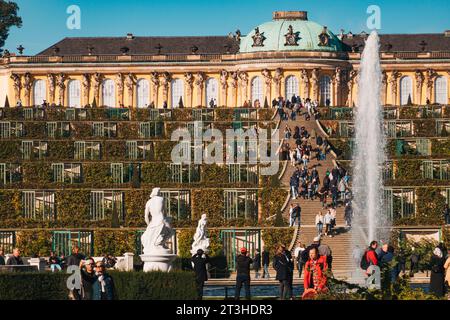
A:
(369, 154)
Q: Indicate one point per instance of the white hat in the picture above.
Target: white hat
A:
(317, 239)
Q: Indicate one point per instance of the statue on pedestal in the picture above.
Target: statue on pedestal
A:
(157, 256)
(200, 237)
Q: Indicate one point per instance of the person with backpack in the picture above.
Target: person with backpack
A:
(370, 257)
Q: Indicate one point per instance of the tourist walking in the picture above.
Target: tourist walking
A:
(414, 262)
(315, 279)
(103, 287)
(199, 262)
(327, 219)
(370, 257)
(243, 263)
(298, 258)
(2, 257)
(54, 262)
(257, 264)
(291, 215)
(437, 277)
(265, 263)
(348, 214)
(15, 259)
(88, 278)
(447, 275)
(319, 223)
(281, 266)
(288, 255)
(447, 214)
(325, 251)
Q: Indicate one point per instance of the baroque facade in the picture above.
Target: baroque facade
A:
(288, 55)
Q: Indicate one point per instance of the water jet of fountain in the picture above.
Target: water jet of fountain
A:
(369, 153)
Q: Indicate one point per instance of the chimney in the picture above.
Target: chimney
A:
(130, 36)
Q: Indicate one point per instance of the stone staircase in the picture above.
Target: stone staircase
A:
(340, 244)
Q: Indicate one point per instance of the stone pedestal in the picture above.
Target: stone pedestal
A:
(158, 262)
(39, 263)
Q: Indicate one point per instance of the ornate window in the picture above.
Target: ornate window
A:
(441, 90)
(257, 90)
(109, 93)
(291, 87)
(212, 91)
(74, 88)
(177, 87)
(325, 90)
(406, 94)
(39, 92)
(143, 93)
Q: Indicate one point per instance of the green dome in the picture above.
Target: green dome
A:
(306, 35)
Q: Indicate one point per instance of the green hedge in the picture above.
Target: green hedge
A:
(274, 237)
(129, 286)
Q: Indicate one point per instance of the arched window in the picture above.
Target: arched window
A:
(177, 87)
(406, 94)
(143, 93)
(109, 93)
(74, 88)
(212, 91)
(441, 90)
(257, 90)
(39, 92)
(291, 87)
(325, 90)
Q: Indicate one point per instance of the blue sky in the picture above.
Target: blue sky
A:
(44, 21)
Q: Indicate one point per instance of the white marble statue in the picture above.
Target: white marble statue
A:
(200, 237)
(158, 232)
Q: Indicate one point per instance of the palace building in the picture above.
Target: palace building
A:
(288, 55)
(71, 174)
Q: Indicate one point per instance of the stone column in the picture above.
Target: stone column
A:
(119, 85)
(223, 87)
(60, 81)
(27, 85)
(86, 84)
(165, 81)
(267, 86)
(189, 80)
(130, 81)
(393, 81)
(429, 78)
(234, 88)
(51, 87)
(384, 81)
(305, 81)
(350, 84)
(200, 84)
(243, 76)
(154, 78)
(129, 265)
(337, 82)
(315, 85)
(17, 86)
(277, 77)
(419, 84)
(98, 78)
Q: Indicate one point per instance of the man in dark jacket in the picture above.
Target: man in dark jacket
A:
(2, 257)
(88, 278)
(257, 264)
(243, 263)
(281, 265)
(103, 286)
(265, 262)
(75, 258)
(199, 261)
(15, 260)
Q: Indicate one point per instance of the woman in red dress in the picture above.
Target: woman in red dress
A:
(315, 280)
